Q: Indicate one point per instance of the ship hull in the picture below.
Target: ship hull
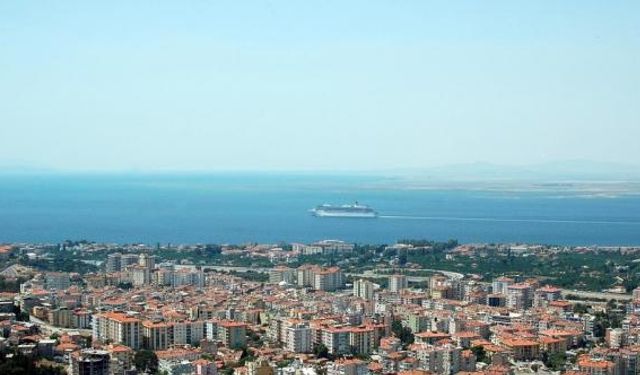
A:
(354, 215)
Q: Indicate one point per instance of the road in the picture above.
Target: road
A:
(600, 295)
(232, 268)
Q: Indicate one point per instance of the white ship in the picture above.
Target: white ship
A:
(347, 210)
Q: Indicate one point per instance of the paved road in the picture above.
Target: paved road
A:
(232, 268)
(449, 274)
(413, 279)
(601, 295)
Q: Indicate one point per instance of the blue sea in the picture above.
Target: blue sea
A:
(238, 208)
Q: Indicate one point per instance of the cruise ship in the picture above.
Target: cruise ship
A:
(347, 210)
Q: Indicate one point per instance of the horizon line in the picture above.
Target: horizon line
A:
(553, 164)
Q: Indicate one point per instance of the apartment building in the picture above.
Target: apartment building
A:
(336, 340)
(397, 283)
(57, 280)
(298, 338)
(348, 367)
(363, 289)
(546, 294)
(519, 296)
(232, 334)
(118, 328)
(500, 285)
(90, 362)
(328, 279)
(280, 274)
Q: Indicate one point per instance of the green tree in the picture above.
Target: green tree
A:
(580, 308)
(480, 353)
(21, 365)
(403, 333)
(555, 361)
(21, 316)
(321, 351)
(146, 361)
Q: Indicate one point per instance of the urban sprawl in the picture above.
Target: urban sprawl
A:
(327, 308)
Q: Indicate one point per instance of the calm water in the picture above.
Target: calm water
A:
(239, 208)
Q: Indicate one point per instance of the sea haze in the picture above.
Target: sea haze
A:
(236, 208)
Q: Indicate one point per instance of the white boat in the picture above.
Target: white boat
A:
(347, 210)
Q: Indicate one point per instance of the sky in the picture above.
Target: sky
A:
(316, 85)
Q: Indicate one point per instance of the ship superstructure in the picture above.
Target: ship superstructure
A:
(347, 210)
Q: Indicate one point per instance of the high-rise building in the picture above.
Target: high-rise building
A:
(147, 261)
(306, 274)
(118, 328)
(298, 338)
(164, 275)
(397, 283)
(328, 279)
(156, 335)
(441, 359)
(418, 322)
(361, 340)
(280, 274)
(90, 362)
(232, 334)
(187, 332)
(114, 263)
(546, 294)
(127, 260)
(60, 317)
(336, 340)
(501, 284)
(140, 275)
(163, 335)
(189, 276)
(519, 296)
(57, 280)
(363, 289)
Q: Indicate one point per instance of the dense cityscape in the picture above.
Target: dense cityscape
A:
(329, 307)
(319, 187)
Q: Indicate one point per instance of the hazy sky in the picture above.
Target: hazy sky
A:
(317, 84)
